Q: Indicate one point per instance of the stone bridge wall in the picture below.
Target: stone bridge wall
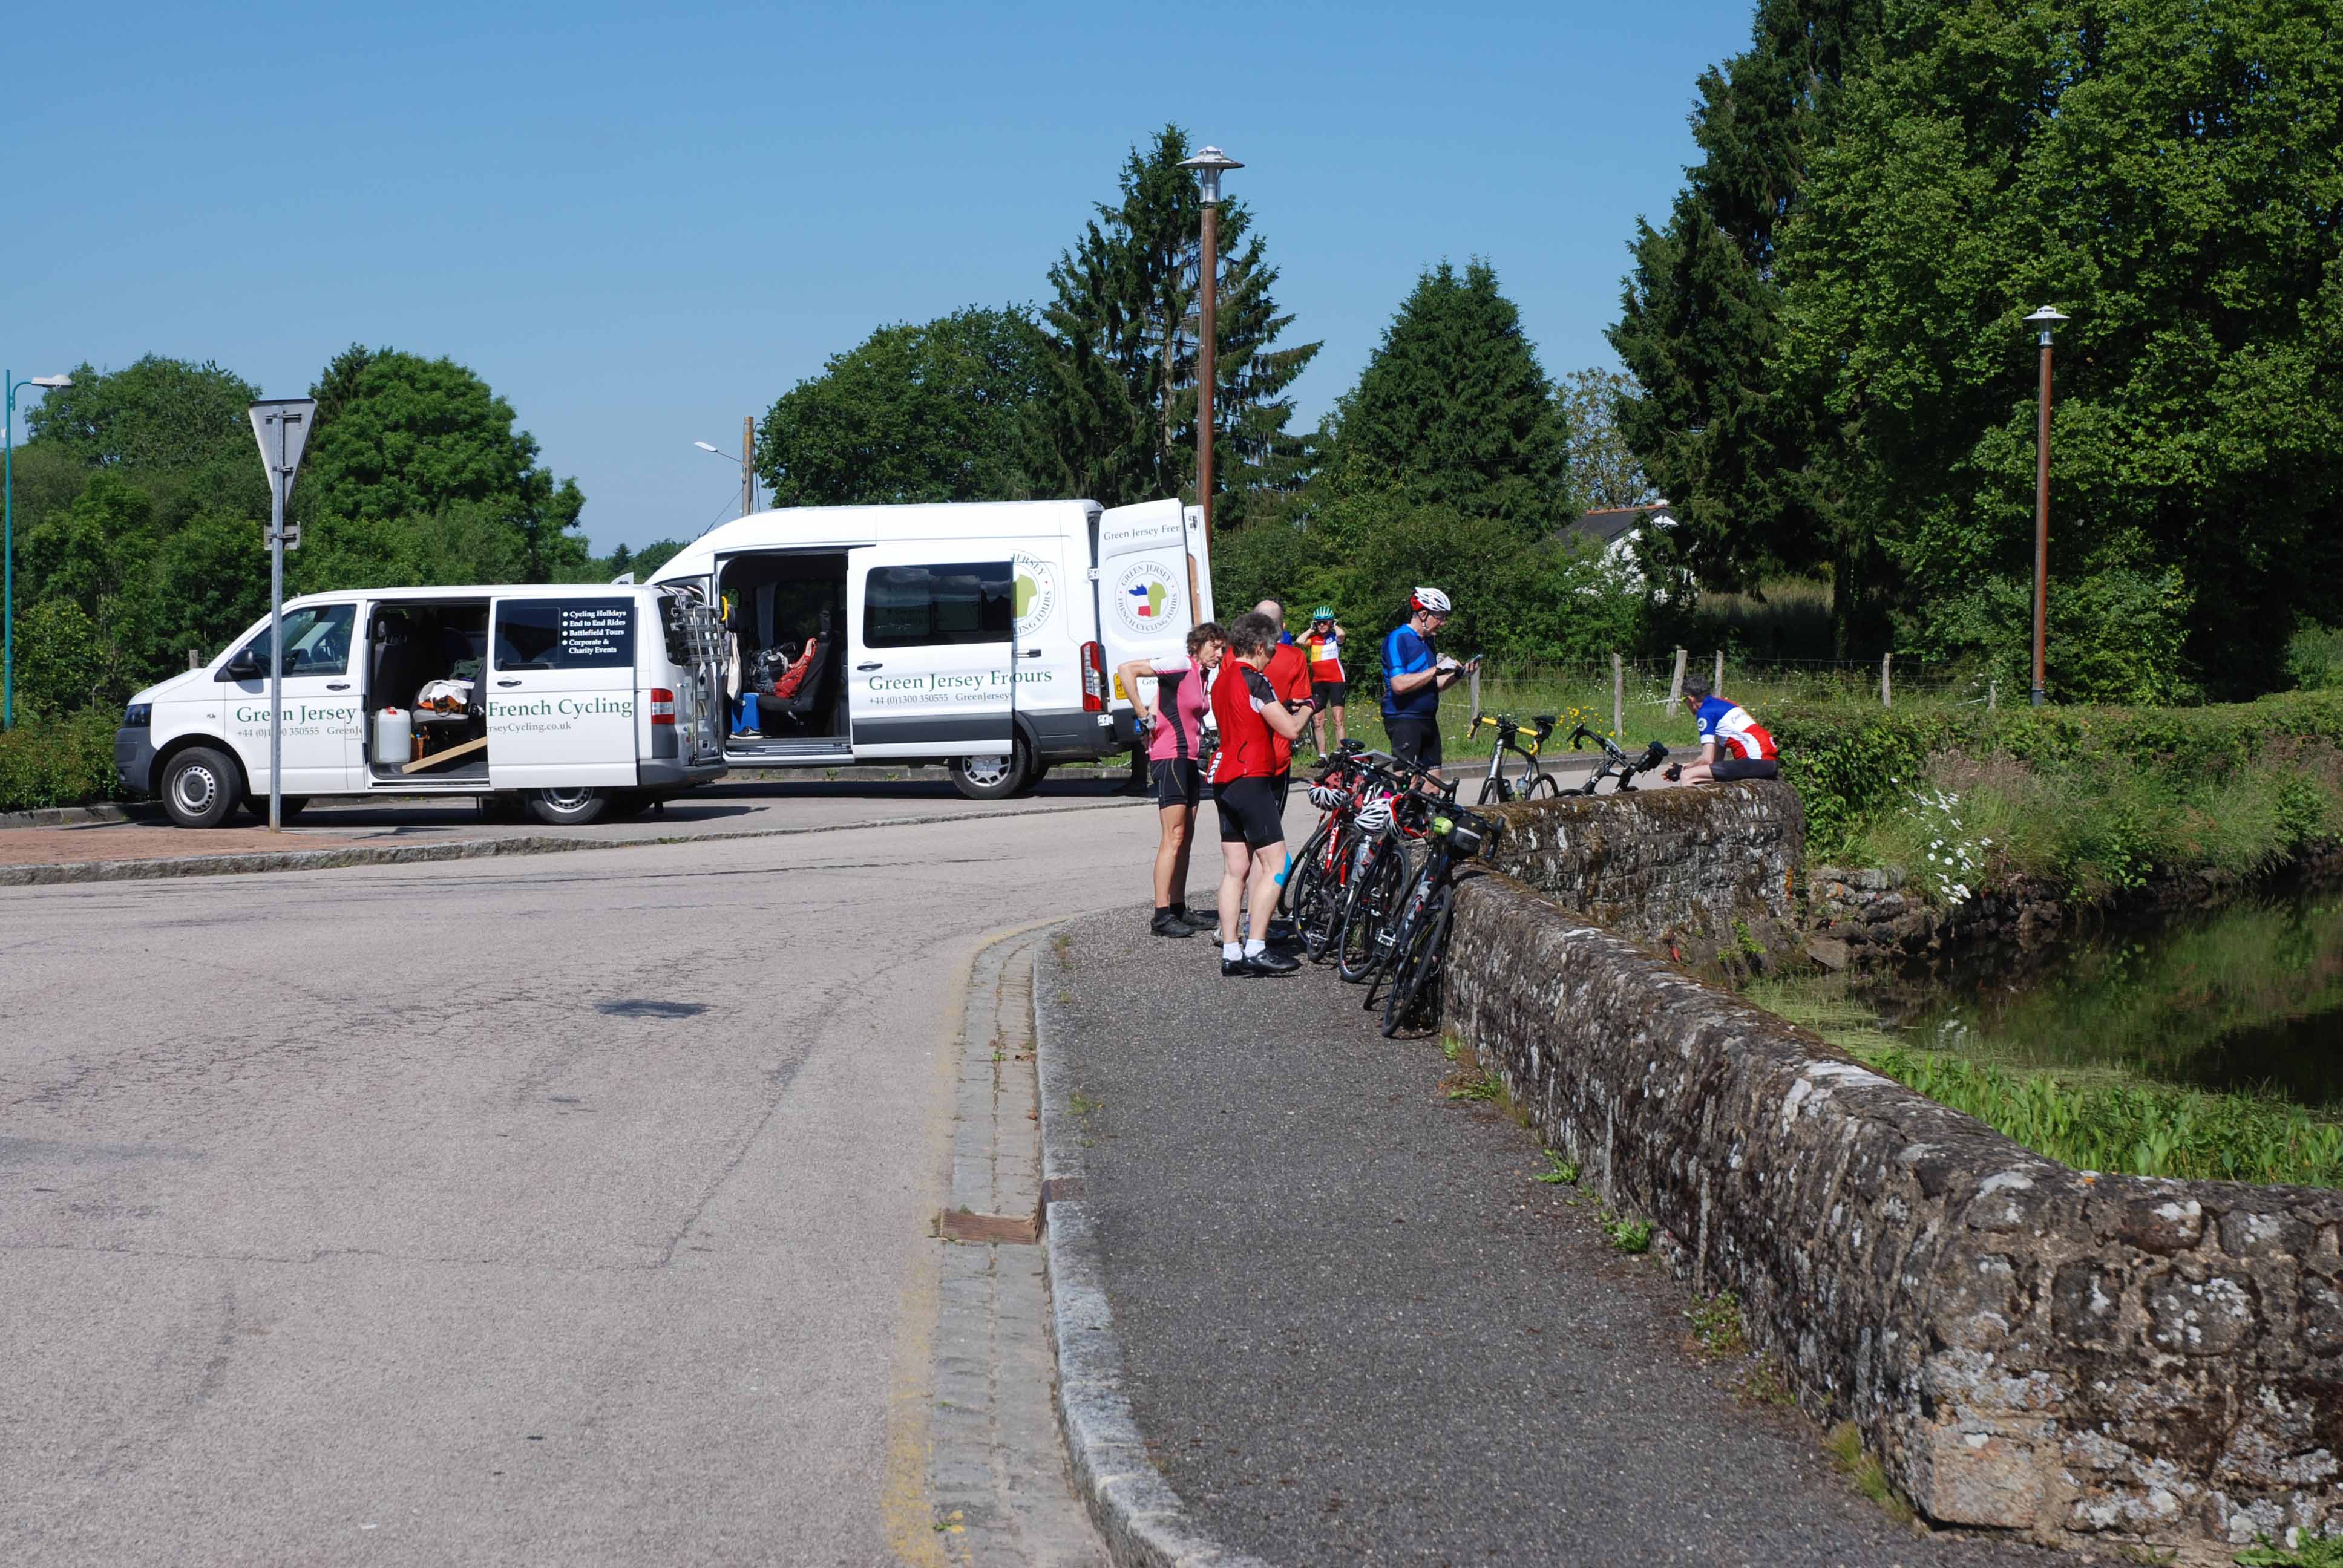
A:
(1699, 871)
(2026, 1346)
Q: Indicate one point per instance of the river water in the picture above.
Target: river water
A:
(2246, 998)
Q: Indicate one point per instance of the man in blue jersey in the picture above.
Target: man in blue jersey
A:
(1732, 744)
(1415, 672)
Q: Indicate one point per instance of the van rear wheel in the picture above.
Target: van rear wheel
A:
(994, 778)
(201, 788)
(567, 808)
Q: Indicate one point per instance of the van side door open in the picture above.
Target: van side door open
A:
(561, 696)
(930, 652)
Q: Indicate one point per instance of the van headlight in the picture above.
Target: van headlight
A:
(138, 716)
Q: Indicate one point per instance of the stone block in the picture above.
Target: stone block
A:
(1976, 1478)
(2164, 1224)
(2246, 1234)
(2201, 1315)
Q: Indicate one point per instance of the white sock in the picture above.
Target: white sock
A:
(1232, 951)
(1254, 947)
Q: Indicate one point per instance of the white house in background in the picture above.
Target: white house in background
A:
(1612, 532)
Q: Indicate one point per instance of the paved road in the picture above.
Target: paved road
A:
(731, 807)
(557, 1209)
(1358, 1331)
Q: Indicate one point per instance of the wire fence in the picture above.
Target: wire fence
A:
(1637, 699)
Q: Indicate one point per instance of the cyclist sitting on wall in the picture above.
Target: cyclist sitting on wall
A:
(1414, 675)
(1732, 744)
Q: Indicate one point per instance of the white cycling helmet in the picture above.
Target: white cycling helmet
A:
(1431, 599)
(1326, 796)
(1374, 815)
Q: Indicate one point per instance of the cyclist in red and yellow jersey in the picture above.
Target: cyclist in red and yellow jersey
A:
(1322, 643)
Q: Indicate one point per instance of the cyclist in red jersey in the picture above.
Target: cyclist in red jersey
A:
(1252, 718)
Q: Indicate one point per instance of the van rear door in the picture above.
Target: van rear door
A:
(561, 690)
(1144, 607)
(930, 652)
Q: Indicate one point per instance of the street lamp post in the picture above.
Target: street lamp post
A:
(2044, 319)
(1208, 166)
(747, 460)
(8, 540)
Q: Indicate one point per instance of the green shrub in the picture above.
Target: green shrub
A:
(49, 761)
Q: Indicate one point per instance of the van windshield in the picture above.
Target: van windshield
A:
(316, 640)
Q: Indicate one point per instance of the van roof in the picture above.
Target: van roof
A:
(467, 590)
(807, 528)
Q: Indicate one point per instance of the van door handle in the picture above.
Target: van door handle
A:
(867, 668)
(337, 686)
(1029, 653)
(507, 683)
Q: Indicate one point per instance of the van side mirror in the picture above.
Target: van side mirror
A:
(243, 666)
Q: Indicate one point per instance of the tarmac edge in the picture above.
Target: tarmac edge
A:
(1142, 1520)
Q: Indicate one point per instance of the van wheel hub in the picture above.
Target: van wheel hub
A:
(195, 788)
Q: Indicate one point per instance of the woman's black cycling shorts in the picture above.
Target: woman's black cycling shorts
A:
(1329, 693)
(1248, 813)
(1726, 768)
(1178, 783)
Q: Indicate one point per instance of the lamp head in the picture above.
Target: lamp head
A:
(706, 447)
(2046, 319)
(1208, 166)
(52, 382)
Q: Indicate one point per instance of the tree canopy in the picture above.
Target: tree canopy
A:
(934, 412)
(1117, 422)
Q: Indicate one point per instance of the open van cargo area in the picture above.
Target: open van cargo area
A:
(428, 720)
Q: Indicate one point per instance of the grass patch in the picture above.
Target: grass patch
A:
(1081, 1104)
(1716, 1326)
(1766, 1386)
(1559, 1172)
(46, 761)
(2311, 1551)
(2092, 1117)
(1862, 1470)
(1633, 1237)
(1486, 1086)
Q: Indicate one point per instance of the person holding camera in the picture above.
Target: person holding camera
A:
(1415, 672)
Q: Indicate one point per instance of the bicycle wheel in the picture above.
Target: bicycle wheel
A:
(1541, 787)
(1415, 987)
(1292, 897)
(1495, 791)
(1322, 919)
(1374, 898)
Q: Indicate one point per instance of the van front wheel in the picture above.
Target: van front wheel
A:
(993, 777)
(201, 788)
(567, 808)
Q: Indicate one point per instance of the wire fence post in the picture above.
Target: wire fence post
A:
(1718, 685)
(1618, 696)
(1886, 694)
(1992, 695)
(1475, 719)
(1675, 683)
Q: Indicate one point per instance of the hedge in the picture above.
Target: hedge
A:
(1851, 765)
(47, 761)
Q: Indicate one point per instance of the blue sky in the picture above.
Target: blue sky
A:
(641, 223)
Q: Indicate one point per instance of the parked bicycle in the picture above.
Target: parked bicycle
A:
(1388, 823)
(1616, 763)
(1313, 896)
(1523, 740)
(1418, 949)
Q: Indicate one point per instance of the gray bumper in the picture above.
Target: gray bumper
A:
(134, 759)
(1067, 737)
(660, 775)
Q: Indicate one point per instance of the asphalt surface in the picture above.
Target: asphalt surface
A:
(571, 1209)
(1357, 1329)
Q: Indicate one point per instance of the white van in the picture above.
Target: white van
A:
(980, 635)
(576, 699)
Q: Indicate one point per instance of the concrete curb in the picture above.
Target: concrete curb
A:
(1143, 1521)
(448, 850)
(67, 816)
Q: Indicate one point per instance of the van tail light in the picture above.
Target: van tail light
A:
(662, 705)
(1094, 678)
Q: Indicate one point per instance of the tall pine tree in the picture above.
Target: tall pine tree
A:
(1701, 312)
(1454, 411)
(1118, 423)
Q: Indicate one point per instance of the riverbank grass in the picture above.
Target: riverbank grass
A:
(2091, 1119)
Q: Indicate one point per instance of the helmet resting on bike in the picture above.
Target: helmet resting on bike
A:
(1374, 815)
(1430, 599)
(1327, 797)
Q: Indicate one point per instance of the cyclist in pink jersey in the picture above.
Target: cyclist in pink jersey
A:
(1175, 723)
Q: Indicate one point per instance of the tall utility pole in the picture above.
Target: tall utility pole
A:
(2044, 319)
(1208, 166)
(747, 464)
